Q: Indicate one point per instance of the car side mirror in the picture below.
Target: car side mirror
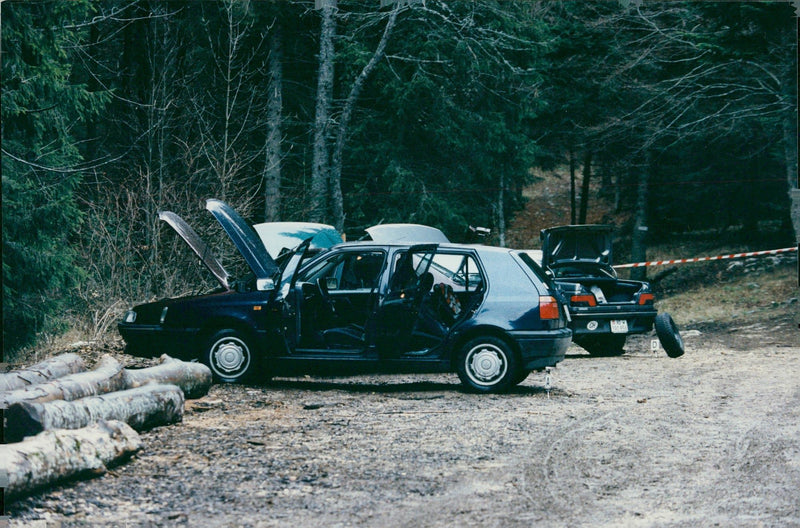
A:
(265, 284)
(331, 283)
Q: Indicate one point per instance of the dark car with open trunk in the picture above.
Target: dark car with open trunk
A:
(604, 308)
(489, 314)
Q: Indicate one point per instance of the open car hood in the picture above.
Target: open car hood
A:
(197, 244)
(247, 242)
(279, 237)
(576, 244)
(405, 233)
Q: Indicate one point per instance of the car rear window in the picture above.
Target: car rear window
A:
(535, 268)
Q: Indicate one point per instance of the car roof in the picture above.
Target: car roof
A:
(480, 248)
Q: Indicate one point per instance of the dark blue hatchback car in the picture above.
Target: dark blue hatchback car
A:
(489, 314)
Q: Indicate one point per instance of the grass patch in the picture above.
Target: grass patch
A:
(740, 296)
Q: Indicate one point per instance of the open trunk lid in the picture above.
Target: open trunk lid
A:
(576, 244)
(405, 234)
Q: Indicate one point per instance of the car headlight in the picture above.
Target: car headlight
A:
(130, 316)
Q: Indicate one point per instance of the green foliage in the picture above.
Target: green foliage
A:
(42, 106)
(470, 97)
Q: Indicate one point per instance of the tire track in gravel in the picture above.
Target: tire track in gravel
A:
(638, 440)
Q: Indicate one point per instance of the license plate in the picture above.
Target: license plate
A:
(619, 326)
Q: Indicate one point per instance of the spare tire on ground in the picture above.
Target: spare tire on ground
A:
(668, 334)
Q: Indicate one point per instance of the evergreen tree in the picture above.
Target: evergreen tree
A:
(42, 110)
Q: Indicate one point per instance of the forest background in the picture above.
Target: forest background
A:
(359, 112)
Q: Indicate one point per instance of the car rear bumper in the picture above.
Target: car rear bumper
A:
(598, 322)
(539, 350)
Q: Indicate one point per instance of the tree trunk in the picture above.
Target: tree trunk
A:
(320, 163)
(194, 379)
(141, 408)
(790, 157)
(587, 176)
(272, 165)
(49, 369)
(572, 209)
(501, 214)
(107, 377)
(638, 244)
(57, 455)
(337, 202)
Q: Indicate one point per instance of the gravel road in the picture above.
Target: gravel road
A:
(709, 439)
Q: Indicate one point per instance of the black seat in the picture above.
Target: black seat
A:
(351, 336)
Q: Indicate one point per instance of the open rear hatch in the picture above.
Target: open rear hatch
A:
(564, 245)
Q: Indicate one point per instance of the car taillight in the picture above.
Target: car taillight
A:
(646, 298)
(588, 300)
(548, 307)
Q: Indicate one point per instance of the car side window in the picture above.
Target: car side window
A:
(459, 271)
(353, 270)
(360, 271)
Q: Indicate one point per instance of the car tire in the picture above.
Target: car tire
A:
(228, 353)
(487, 364)
(522, 375)
(602, 345)
(668, 334)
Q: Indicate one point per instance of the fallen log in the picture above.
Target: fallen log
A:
(108, 376)
(194, 379)
(57, 455)
(51, 368)
(142, 408)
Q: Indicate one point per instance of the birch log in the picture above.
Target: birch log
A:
(62, 454)
(51, 368)
(194, 379)
(142, 408)
(108, 376)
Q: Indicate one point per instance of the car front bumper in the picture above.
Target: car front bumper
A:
(153, 340)
(539, 350)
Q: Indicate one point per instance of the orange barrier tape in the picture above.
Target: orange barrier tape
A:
(702, 259)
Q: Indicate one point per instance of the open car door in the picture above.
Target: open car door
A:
(399, 308)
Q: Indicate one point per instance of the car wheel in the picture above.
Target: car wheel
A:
(602, 345)
(487, 364)
(522, 375)
(228, 355)
(668, 334)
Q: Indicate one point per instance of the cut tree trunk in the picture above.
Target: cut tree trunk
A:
(141, 408)
(106, 377)
(49, 369)
(194, 379)
(62, 454)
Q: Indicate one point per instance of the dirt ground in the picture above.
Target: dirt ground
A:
(709, 439)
